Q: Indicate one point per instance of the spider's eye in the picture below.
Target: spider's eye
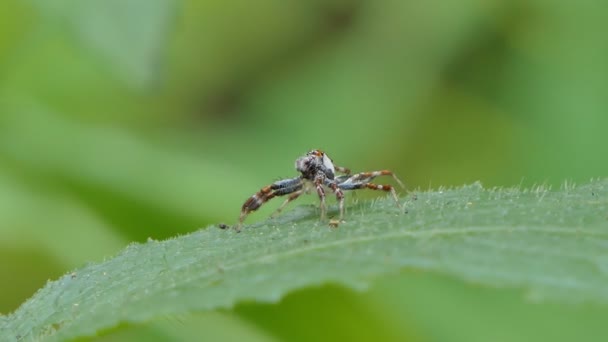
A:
(316, 153)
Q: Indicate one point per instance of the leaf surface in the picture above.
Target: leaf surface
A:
(550, 244)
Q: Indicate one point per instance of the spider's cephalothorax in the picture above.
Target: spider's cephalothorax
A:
(317, 171)
(315, 164)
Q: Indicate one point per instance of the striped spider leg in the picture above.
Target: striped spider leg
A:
(293, 186)
(307, 188)
(362, 180)
(317, 172)
(331, 183)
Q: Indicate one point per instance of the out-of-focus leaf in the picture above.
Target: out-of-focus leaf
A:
(131, 35)
(211, 326)
(113, 160)
(442, 308)
(550, 244)
(48, 220)
(335, 312)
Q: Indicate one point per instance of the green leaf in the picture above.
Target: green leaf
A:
(549, 244)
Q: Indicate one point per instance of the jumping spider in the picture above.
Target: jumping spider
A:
(316, 172)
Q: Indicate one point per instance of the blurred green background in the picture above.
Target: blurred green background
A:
(127, 119)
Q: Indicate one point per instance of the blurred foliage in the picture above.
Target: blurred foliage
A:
(123, 120)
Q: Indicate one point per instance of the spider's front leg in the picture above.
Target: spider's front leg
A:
(333, 185)
(279, 188)
(321, 193)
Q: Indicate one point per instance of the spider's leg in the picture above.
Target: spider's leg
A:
(321, 193)
(385, 187)
(342, 169)
(372, 186)
(340, 198)
(279, 188)
(253, 203)
(365, 177)
(291, 197)
(334, 186)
